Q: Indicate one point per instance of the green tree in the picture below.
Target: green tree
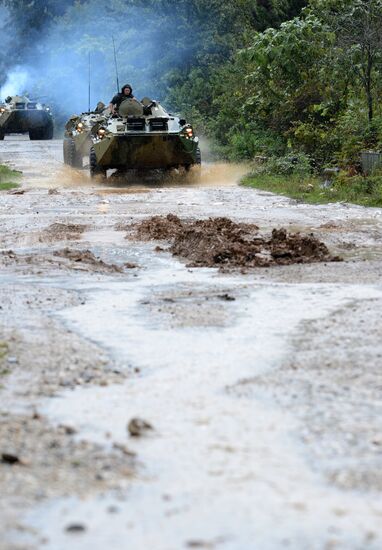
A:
(293, 90)
(358, 28)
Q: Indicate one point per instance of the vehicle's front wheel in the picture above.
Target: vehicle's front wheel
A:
(47, 132)
(35, 135)
(71, 156)
(95, 168)
(198, 156)
(65, 150)
(195, 170)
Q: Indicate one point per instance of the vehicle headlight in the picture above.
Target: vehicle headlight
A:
(189, 132)
(80, 126)
(101, 133)
(2, 110)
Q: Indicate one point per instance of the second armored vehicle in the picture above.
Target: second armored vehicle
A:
(78, 136)
(21, 115)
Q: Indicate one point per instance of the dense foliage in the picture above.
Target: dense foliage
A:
(261, 77)
(313, 85)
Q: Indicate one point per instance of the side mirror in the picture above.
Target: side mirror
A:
(182, 121)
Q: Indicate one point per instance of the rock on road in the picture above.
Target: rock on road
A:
(262, 388)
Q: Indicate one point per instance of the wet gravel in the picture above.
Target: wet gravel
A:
(332, 384)
(40, 462)
(42, 355)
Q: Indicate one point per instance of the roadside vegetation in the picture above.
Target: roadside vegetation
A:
(4, 370)
(9, 179)
(294, 177)
(260, 78)
(366, 191)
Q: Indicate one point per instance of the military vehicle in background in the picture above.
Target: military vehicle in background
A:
(21, 115)
(141, 137)
(78, 135)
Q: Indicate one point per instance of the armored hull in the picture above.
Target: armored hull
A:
(145, 152)
(21, 115)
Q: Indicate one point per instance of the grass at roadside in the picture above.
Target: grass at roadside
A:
(366, 191)
(9, 179)
(3, 353)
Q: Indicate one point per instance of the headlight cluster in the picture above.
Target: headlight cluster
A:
(2, 110)
(80, 127)
(101, 133)
(189, 132)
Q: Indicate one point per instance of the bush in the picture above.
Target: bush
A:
(357, 134)
(252, 142)
(319, 141)
(294, 164)
(360, 185)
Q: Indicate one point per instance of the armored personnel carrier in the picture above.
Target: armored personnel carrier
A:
(21, 115)
(78, 135)
(142, 137)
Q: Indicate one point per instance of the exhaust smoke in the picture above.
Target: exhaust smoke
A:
(16, 83)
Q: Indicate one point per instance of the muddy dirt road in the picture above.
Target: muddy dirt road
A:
(146, 404)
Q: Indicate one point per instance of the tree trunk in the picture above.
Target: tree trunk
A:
(369, 93)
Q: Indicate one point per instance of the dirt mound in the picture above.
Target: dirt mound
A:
(159, 228)
(296, 248)
(86, 257)
(65, 258)
(220, 242)
(170, 226)
(63, 231)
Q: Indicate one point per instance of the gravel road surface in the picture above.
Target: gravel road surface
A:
(147, 404)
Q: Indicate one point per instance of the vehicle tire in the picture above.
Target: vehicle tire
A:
(66, 150)
(47, 132)
(2, 137)
(198, 156)
(196, 173)
(95, 169)
(35, 135)
(71, 156)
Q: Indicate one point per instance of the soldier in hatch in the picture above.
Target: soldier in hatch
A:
(126, 93)
(100, 107)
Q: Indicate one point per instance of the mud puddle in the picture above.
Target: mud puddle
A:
(63, 231)
(135, 190)
(220, 242)
(62, 259)
(209, 174)
(235, 461)
(104, 237)
(88, 259)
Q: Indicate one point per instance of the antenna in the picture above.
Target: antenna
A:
(89, 86)
(116, 65)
